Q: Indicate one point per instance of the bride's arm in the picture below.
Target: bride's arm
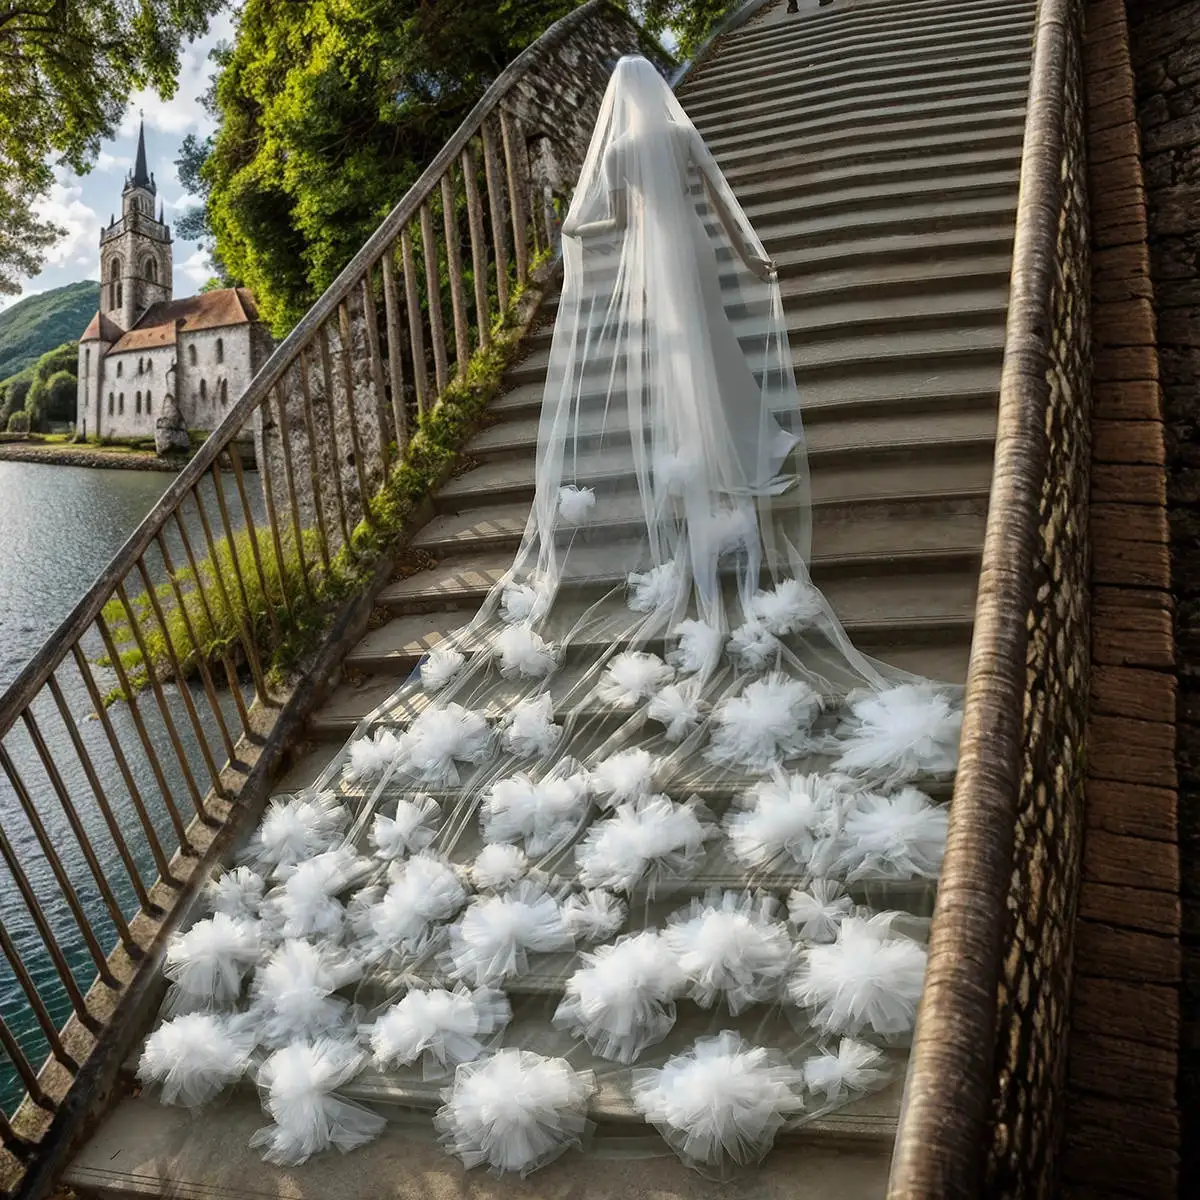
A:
(764, 268)
(618, 205)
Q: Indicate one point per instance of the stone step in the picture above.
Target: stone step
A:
(144, 1151)
(862, 116)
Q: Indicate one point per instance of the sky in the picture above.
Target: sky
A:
(83, 204)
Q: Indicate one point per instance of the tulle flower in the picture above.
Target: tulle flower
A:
(654, 589)
(371, 756)
(819, 909)
(788, 607)
(623, 776)
(441, 1027)
(900, 733)
(753, 647)
(440, 666)
(524, 602)
(294, 992)
(307, 904)
(851, 1067)
(720, 1104)
(440, 738)
(236, 893)
(514, 1111)
(412, 828)
(729, 946)
(498, 866)
(544, 813)
(623, 998)
(300, 1085)
(894, 837)
(575, 504)
(523, 652)
(787, 821)
(196, 1056)
(529, 729)
(423, 891)
(631, 677)
(868, 979)
(699, 648)
(593, 915)
(679, 708)
(208, 963)
(648, 843)
(295, 828)
(768, 723)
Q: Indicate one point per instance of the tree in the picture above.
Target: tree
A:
(36, 404)
(691, 21)
(329, 111)
(18, 390)
(62, 389)
(67, 68)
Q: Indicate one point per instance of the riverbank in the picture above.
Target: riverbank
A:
(67, 454)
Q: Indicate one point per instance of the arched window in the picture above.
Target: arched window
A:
(224, 391)
(121, 404)
(149, 366)
(110, 404)
(138, 404)
(120, 299)
(120, 368)
(147, 404)
(139, 366)
(87, 362)
(191, 356)
(150, 270)
(220, 350)
(203, 390)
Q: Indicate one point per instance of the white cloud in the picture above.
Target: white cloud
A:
(109, 162)
(197, 268)
(64, 206)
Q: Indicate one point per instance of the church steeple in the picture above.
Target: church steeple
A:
(141, 177)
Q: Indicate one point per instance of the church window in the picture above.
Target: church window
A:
(203, 390)
(121, 404)
(138, 403)
(120, 366)
(223, 391)
(120, 299)
(220, 350)
(110, 404)
(87, 363)
(191, 356)
(151, 270)
(147, 403)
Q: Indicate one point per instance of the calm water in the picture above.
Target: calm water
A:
(59, 526)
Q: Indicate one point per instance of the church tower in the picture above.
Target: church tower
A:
(135, 252)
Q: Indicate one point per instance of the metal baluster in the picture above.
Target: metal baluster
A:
(251, 531)
(478, 246)
(276, 399)
(314, 475)
(28, 1075)
(268, 491)
(454, 267)
(327, 371)
(40, 1011)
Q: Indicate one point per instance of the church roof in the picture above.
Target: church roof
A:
(101, 329)
(141, 176)
(209, 310)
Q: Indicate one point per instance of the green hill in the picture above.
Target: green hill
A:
(40, 323)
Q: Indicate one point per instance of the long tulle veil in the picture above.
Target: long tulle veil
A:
(653, 694)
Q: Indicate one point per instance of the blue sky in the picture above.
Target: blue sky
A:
(83, 204)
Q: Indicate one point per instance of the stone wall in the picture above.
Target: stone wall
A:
(1165, 44)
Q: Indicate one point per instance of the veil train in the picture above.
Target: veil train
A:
(636, 839)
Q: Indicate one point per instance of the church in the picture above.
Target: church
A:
(150, 365)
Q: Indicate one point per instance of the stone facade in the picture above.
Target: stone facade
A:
(1165, 44)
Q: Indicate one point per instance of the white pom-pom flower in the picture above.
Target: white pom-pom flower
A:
(575, 504)
(440, 738)
(295, 828)
(900, 733)
(647, 843)
(790, 606)
(523, 652)
(493, 940)
(679, 708)
(732, 528)
(371, 756)
(622, 999)
(594, 915)
(440, 666)
(721, 1103)
(195, 1057)
(787, 821)
(237, 893)
(624, 776)
(768, 723)
(852, 1067)
(753, 647)
(423, 891)
(818, 910)
(631, 677)
(529, 729)
(514, 1111)
(498, 866)
(654, 589)
(729, 946)
(294, 992)
(699, 648)
(866, 979)
(299, 1085)
(894, 837)
(412, 829)
(307, 904)
(442, 1028)
(521, 603)
(208, 963)
(544, 813)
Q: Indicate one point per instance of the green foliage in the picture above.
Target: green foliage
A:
(62, 389)
(689, 21)
(18, 422)
(44, 322)
(30, 390)
(431, 454)
(66, 71)
(329, 111)
(36, 404)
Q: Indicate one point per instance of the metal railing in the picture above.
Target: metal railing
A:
(110, 819)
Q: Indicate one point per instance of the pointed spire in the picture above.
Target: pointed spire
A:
(160, 212)
(141, 176)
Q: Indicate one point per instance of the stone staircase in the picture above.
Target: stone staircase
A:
(875, 147)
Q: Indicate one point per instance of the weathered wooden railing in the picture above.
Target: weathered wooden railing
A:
(108, 823)
(986, 1079)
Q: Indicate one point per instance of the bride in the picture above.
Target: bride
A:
(612, 849)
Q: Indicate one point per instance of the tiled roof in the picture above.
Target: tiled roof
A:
(100, 328)
(209, 310)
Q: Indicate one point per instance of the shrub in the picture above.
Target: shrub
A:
(18, 422)
(62, 388)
